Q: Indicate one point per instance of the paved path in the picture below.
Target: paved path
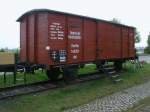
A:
(116, 102)
(145, 109)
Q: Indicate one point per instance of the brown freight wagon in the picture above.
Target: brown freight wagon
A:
(64, 41)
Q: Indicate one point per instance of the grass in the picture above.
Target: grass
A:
(37, 77)
(75, 95)
(87, 69)
(30, 78)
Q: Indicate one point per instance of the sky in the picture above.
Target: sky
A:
(130, 12)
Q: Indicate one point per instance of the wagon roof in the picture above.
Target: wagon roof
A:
(34, 11)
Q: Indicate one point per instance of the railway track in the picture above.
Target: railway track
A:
(43, 86)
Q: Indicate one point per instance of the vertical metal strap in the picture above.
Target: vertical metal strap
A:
(25, 79)
(66, 38)
(4, 77)
(83, 39)
(15, 75)
(121, 43)
(97, 47)
(27, 39)
(35, 38)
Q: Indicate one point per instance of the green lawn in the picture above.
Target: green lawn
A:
(75, 95)
(30, 78)
(37, 77)
(87, 69)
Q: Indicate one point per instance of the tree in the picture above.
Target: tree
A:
(2, 50)
(148, 40)
(147, 49)
(137, 36)
(115, 20)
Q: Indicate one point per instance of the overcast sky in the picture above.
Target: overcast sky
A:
(131, 12)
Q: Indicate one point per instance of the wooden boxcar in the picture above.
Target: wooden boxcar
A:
(61, 40)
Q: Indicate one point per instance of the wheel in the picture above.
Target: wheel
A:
(101, 63)
(53, 74)
(70, 74)
(82, 65)
(99, 66)
(118, 65)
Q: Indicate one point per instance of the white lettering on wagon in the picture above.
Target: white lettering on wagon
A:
(74, 35)
(75, 57)
(56, 31)
(74, 45)
(75, 50)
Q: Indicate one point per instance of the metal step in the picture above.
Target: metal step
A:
(19, 79)
(109, 68)
(115, 76)
(112, 72)
(118, 80)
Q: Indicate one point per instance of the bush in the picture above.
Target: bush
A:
(2, 50)
(147, 50)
